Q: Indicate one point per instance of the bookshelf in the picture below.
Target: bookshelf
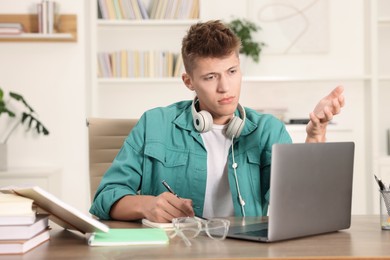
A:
(137, 60)
(167, 32)
(66, 29)
(118, 17)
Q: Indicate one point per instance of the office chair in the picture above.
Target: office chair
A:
(106, 137)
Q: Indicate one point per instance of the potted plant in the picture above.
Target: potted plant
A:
(28, 117)
(245, 29)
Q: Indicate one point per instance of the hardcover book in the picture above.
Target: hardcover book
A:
(23, 246)
(22, 232)
(26, 219)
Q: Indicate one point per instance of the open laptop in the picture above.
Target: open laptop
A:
(310, 192)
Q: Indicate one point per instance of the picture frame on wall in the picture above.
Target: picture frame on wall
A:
(292, 27)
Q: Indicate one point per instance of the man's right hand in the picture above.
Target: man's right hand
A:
(161, 208)
(167, 206)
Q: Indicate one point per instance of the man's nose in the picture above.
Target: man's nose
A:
(223, 84)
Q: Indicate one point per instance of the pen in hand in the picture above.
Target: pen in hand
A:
(169, 188)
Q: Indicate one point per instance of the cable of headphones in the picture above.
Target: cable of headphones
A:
(234, 166)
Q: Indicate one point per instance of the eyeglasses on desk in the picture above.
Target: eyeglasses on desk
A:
(188, 228)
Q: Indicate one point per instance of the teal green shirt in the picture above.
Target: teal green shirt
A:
(164, 145)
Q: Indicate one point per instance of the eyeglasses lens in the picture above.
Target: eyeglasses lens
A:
(189, 227)
(217, 228)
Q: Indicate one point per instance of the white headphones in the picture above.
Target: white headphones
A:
(203, 121)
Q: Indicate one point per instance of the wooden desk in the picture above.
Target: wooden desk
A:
(364, 240)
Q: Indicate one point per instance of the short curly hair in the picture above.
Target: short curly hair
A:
(212, 39)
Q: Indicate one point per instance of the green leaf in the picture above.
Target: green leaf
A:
(45, 131)
(24, 117)
(33, 122)
(244, 29)
(19, 98)
(38, 127)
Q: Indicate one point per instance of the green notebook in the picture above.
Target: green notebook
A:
(129, 236)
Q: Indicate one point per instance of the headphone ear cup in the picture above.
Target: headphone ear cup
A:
(203, 121)
(234, 127)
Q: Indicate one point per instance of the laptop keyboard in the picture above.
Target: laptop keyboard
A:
(255, 233)
(257, 229)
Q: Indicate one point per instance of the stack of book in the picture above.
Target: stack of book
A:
(11, 28)
(21, 229)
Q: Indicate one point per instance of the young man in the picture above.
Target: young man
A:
(212, 152)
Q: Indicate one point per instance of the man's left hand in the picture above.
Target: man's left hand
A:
(324, 111)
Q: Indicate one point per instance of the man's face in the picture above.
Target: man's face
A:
(217, 83)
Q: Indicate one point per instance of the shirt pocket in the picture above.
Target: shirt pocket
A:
(163, 163)
(167, 157)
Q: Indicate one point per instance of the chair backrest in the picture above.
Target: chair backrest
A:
(106, 137)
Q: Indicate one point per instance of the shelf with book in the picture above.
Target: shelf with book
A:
(154, 22)
(135, 42)
(66, 29)
(139, 80)
(38, 37)
(147, 9)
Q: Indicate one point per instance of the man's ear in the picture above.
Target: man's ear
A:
(187, 81)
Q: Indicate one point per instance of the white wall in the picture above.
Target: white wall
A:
(55, 78)
(52, 77)
(346, 40)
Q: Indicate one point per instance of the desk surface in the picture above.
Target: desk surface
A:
(364, 240)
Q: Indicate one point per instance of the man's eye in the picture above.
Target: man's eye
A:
(232, 71)
(209, 77)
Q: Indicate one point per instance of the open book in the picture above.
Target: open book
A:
(61, 213)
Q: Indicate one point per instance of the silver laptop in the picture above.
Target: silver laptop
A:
(310, 192)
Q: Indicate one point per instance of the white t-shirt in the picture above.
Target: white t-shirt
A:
(218, 198)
